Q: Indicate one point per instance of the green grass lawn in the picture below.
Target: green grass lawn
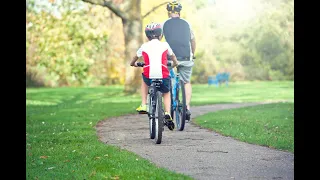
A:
(269, 125)
(61, 141)
(243, 92)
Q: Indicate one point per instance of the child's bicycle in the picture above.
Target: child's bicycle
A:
(178, 98)
(155, 110)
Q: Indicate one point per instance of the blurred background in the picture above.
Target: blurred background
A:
(91, 42)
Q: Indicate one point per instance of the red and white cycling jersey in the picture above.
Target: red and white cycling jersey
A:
(154, 54)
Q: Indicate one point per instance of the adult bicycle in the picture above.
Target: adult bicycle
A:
(178, 98)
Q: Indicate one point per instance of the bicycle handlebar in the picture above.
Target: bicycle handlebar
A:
(141, 64)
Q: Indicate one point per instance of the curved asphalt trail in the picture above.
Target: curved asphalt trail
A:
(198, 152)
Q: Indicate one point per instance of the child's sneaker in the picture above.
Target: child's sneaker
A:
(142, 109)
(170, 123)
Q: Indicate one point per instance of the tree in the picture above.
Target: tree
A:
(130, 14)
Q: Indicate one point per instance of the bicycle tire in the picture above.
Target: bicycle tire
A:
(181, 109)
(158, 118)
(171, 99)
(152, 124)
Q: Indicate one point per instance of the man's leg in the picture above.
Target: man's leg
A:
(188, 91)
(185, 74)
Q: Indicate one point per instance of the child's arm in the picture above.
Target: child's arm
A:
(134, 60)
(136, 57)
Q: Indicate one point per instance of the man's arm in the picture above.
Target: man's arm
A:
(193, 42)
(133, 61)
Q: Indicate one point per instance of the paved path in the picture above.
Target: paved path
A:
(198, 152)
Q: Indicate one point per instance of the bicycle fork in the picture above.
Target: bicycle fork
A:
(151, 101)
(174, 92)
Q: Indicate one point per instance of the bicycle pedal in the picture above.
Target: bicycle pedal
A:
(142, 112)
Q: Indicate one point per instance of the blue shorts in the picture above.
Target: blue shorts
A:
(164, 87)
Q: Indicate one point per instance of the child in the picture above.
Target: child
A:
(154, 53)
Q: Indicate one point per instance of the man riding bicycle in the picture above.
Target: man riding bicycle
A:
(180, 37)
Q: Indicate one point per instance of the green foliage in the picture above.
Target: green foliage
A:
(65, 48)
(272, 44)
(71, 50)
(86, 45)
(258, 48)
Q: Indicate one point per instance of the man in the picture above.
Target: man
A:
(180, 37)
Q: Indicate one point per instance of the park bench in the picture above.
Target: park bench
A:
(219, 79)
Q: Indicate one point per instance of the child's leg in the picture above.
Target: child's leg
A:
(167, 116)
(165, 89)
(144, 93)
(167, 103)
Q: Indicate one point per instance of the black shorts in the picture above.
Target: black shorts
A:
(164, 87)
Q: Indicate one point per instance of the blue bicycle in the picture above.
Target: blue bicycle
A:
(178, 98)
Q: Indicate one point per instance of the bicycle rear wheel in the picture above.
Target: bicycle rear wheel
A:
(152, 124)
(158, 118)
(180, 111)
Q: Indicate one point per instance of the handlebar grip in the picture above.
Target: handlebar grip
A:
(140, 64)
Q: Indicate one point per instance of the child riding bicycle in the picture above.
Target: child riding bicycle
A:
(154, 53)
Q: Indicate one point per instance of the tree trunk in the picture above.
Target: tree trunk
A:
(130, 14)
(133, 39)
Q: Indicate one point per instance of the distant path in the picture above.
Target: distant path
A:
(197, 152)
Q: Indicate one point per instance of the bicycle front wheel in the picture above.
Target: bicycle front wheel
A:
(180, 111)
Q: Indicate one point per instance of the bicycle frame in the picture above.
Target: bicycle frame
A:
(152, 90)
(174, 86)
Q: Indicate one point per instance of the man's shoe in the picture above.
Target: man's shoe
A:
(188, 115)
